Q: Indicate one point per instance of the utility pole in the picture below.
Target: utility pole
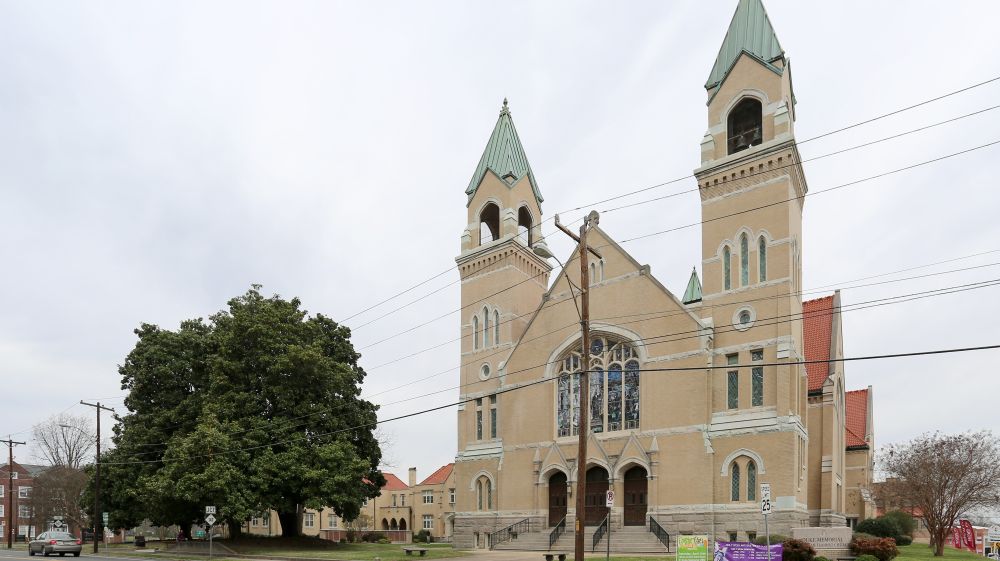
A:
(97, 471)
(10, 490)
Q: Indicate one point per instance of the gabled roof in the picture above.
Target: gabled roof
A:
(692, 293)
(856, 420)
(393, 483)
(504, 155)
(817, 329)
(750, 32)
(439, 476)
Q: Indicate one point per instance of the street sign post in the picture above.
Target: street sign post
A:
(765, 509)
(210, 520)
(609, 501)
(209, 510)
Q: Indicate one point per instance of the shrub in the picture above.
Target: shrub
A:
(383, 540)
(866, 558)
(863, 536)
(369, 537)
(797, 550)
(882, 527)
(343, 540)
(903, 520)
(422, 536)
(352, 536)
(884, 549)
(820, 558)
(904, 540)
(775, 539)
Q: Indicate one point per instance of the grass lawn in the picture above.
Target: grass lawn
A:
(344, 552)
(920, 552)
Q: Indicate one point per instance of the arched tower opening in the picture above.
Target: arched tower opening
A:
(524, 226)
(489, 223)
(744, 126)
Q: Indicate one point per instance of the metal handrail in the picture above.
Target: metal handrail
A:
(500, 536)
(556, 532)
(599, 533)
(659, 532)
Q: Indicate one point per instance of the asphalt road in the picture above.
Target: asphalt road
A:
(23, 554)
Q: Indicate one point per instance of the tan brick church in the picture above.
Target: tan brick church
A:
(695, 400)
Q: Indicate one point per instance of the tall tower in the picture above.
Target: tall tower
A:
(503, 282)
(752, 189)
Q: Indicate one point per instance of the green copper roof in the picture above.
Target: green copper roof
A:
(750, 32)
(505, 156)
(693, 292)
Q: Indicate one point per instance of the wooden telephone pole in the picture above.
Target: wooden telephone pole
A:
(97, 471)
(10, 490)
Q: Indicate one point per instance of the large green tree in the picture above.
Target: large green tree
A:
(257, 408)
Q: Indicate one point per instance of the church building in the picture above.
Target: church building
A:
(695, 400)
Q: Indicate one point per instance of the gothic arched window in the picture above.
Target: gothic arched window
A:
(735, 483)
(762, 259)
(593, 273)
(744, 260)
(486, 328)
(614, 387)
(751, 481)
(745, 128)
(475, 332)
(496, 327)
(524, 225)
(479, 494)
(727, 281)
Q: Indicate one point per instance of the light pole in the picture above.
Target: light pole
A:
(97, 470)
(542, 250)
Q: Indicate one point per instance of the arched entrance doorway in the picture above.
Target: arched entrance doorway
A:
(385, 524)
(557, 498)
(402, 524)
(635, 496)
(597, 488)
(393, 525)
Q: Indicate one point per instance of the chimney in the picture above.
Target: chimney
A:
(413, 476)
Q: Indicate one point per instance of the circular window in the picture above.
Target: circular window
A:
(743, 318)
(484, 372)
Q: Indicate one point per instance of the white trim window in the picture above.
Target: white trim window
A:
(308, 520)
(428, 522)
(428, 497)
(23, 511)
(24, 492)
(451, 496)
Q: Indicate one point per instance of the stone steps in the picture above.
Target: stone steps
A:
(630, 539)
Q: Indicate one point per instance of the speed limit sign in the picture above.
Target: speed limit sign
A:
(765, 498)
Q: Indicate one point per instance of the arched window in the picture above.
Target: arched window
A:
(745, 128)
(479, 494)
(744, 260)
(402, 524)
(489, 224)
(489, 495)
(762, 258)
(751, 481)
(486, 327)
(614, 387)
(496, 327)
(727, 282)
(475, 332)
(602, 270)
(484, 493)
(524, 225)
(593, 273)
(735, 490)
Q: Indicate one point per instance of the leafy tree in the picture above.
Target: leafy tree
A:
(903, 520)
(882, 527)
(259, 408)
(942, 477)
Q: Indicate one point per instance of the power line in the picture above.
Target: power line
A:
(545, 380)
(665, 183)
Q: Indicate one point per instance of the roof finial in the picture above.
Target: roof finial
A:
(505, 110)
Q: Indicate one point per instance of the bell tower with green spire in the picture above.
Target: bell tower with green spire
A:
(503, 282)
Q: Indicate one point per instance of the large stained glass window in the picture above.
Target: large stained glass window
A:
(744, 260)
(727, 281)
(632, 394)
(735, 488)
(762, 258)
(751, 481)
(614, 387)
(733, 390)
(757, 386)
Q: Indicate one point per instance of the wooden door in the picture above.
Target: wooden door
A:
(597, 488)
(557, 498)
(635, 496)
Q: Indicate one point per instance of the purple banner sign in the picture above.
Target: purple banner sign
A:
(745, 551)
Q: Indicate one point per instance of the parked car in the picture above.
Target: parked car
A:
(62, 543)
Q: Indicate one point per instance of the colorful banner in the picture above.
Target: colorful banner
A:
(956, 537)
(692, 548)
(745, 551)
(968, 535)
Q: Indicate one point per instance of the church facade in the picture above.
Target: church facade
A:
(694, 400)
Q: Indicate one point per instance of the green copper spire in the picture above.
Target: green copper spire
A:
(504, 156)
(693, 292)
(749, 32)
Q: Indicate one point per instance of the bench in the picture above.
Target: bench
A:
(551, 556)
(410, 550)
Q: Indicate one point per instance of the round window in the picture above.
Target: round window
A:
(484, 372)
(744, 317)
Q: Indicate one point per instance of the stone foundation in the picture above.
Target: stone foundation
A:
(472, 531)
(741, 523)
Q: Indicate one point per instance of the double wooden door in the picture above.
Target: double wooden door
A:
(557, 498)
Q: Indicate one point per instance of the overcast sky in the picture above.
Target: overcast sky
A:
(156, 158)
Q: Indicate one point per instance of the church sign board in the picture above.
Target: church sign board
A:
(692, 548)
(836, 538)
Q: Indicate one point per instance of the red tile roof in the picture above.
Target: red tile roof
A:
(393, 483)
(439, 476)
(856, 423)
(817, 328)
